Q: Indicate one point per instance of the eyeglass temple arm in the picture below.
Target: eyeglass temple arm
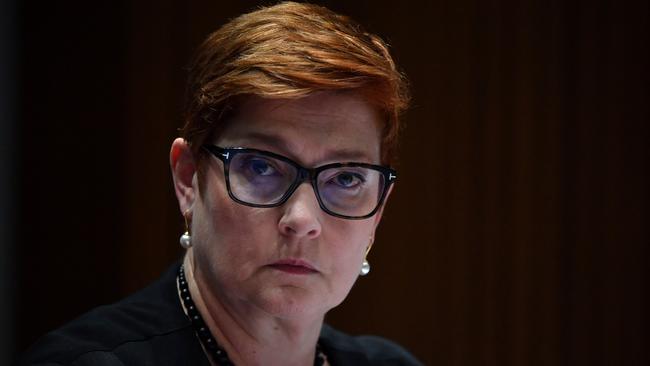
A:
(218, 152)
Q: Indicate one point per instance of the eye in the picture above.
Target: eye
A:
(348, 179)
(261, 166)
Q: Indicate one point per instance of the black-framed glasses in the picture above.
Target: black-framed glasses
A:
(260, 178)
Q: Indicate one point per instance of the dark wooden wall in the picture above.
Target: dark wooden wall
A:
(518, 231)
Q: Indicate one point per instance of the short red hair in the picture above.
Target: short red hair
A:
(290, 50)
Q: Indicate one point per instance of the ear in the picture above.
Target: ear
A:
(380, 212)
(183, 172)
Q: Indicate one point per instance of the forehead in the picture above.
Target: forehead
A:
(314, 129)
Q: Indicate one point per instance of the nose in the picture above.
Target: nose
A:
(301, 216)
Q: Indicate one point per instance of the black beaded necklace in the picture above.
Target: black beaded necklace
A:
(219, 355)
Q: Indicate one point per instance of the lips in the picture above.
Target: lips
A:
(293, 266)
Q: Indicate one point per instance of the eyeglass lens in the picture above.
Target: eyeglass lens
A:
(263, 180)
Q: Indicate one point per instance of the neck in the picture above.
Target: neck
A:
(251, 336)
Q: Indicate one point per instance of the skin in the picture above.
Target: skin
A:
(259, 314)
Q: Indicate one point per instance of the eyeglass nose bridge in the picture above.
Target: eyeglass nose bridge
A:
(304, 175)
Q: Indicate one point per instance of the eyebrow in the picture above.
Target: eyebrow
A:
(278, 143)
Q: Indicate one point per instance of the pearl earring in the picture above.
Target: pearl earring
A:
(186, 238)
(365, 268)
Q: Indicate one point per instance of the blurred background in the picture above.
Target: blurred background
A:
(518, 232)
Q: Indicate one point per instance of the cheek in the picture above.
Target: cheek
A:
(352, 238)
(229, 236)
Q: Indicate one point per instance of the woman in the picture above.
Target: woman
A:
(281, 175)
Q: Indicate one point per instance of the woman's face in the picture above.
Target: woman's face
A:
(295, 259)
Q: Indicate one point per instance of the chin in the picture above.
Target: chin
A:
(292, 302)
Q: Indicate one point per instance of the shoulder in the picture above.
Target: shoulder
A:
(125, 333)
(343, 349)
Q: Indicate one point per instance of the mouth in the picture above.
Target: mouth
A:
(293, 266)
